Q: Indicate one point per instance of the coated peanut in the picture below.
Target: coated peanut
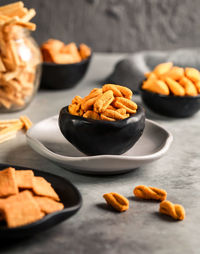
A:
(174, 210)
(145, 192)
(117, 201)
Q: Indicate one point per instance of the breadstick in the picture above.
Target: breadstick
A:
(12, 6)
(11, 10)
(29, 15)
(4, 18)
(26, 121)
(7, 136)
(11, 128)
(5, 103)
(29, 25)
(11, 75)
(2, 66)
(5, 123)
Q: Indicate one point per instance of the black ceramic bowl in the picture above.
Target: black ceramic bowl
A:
(95, 137)
(63, 76)
(170, 105)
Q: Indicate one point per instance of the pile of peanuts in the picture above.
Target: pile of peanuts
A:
(167, 79)
(111, 103)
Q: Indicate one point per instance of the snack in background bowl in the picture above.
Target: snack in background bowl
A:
(172, 91)
(106, 121)
(63, 64)
(55, 51)
(20, 57)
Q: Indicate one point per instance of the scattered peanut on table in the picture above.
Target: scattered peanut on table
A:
(121, 204)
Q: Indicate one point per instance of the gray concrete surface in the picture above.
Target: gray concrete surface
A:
(119, 26)
(97, 229)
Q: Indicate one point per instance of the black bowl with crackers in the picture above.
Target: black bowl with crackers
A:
(32, 201)
(64, 65)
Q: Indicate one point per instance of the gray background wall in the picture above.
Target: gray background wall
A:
(119, 25)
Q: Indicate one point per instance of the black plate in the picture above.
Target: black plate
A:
(69, 196)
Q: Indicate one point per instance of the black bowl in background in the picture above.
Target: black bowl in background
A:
(95, 137)
(63, 76)
(171, 105)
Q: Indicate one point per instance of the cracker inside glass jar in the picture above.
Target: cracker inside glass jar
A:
(20, 59)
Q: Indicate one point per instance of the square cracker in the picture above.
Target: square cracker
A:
(8, 184)
(18, 197)
(21, 209)
(24, 178)
(48, 205)
(43, 188)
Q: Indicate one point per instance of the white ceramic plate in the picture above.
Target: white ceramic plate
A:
(46, 139)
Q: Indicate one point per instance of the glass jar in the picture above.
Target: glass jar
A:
(20, 68)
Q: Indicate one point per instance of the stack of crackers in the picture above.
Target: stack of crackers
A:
(9, 128)
(25, 198)
(55, 51)
(19, 56)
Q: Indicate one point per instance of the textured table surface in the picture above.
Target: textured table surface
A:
(95, 228)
